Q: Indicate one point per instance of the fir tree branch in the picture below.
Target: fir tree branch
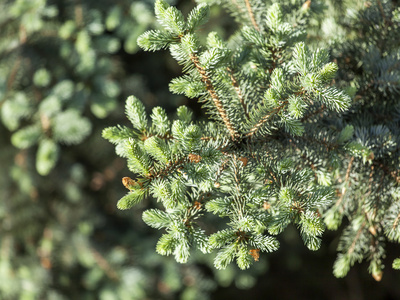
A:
(13, 73)
(316, 112)
(45, 253)
(220, 171)
(274, 59)
(78, 10)
(211, 90)
(240, 205)
(358, 235)
(239, 8)
(346, 179)
(104, 265)
(238, 92)
(22, 35)
(251, 14)
(370, 180)
(396, 221)
(382, 13)
(170, 167)
(305, 158)
(265, 119)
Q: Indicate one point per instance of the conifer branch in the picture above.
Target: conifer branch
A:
(211, 90)
(13, 73)
(211, 161)
(316, 112)
(78, 13)
(22, 35)
(358, 235)
(238, 92)
(251, 14)
(171, 167)
(274, 59)
(382, 12)
(239, 8)
(346, 179)
(370, 180)
(305, 158)
(104, 265)
(396, 222)
(265, 119)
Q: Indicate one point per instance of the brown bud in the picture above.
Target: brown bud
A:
(372, 230)
(306, 5)
(244, 160)
(197, 205)
(266, 205)
(128, 183)
(371, 156)
(194, 158)
(377, 276)
(255, 253)
(217, 184)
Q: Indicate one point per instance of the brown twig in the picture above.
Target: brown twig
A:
(265, 119)
(251, 14)
(238, 7)
(104, 265)
(382, 12)
(353, 244)
(396, 221)
(13, 73)
(78, 13)
(211, 90)
(346, 179)
(238, 92)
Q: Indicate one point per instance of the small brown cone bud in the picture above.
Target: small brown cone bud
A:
(255, 253)
(194, 158)
(266, 205)
(128, 183)
(306, 5)
(372, 230)
(197, 204)
(244, 160)
(377, 276)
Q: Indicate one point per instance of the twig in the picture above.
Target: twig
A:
(251, 14)
(214, 96)
(345, 181)
(353, 244)
(104, 265)
(238, 92)
(265, 119)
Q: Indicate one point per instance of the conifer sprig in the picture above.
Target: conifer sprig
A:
(270, 154)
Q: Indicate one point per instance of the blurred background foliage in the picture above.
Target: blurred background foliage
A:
(66, 68)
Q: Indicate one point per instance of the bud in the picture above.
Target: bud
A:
(266, 205)
(306, 5)
(197, 205)
(128, 183)
(255, 253)
(194, 158)
(372, 230)
(377, 276)
(244, 160)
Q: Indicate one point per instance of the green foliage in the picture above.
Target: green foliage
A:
(247, 167)
(283, 134)
(62, 73)
(43, 99)
(281, 152)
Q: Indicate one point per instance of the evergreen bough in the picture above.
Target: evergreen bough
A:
(277, 149)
